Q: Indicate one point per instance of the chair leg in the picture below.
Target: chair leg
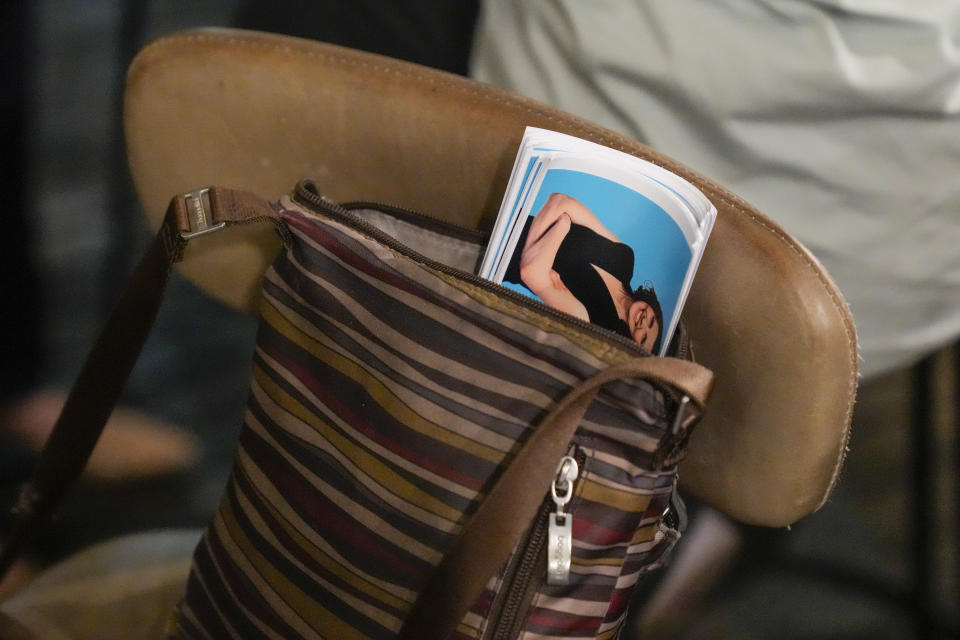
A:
(935, 403)
(923, 519)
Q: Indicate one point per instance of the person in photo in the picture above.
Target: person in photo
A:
(574, 264)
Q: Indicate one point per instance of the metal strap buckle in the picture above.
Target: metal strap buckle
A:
(198, 216)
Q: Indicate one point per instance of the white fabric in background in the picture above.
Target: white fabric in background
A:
(840, 119)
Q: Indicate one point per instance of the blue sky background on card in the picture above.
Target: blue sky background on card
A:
(661, 253)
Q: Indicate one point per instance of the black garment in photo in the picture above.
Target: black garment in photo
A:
(582, 250)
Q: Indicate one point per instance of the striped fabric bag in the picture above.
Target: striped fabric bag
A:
(427, 455)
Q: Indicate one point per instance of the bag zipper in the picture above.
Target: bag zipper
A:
(423, 220)
(560, 523)
(307, 194)
(528, 570)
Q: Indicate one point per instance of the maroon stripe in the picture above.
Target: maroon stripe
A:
(332, 397)
(594, 533)
(322, 514)
(311, 566)
(242, 590)
(618, 603)
(551, 621)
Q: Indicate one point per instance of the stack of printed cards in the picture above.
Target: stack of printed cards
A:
(600, 234)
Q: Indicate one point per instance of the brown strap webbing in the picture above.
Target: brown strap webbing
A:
(499, 523)
(102, 378)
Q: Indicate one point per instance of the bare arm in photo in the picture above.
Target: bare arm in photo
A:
(559, 204)
(537, 272)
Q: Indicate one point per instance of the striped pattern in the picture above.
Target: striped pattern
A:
(385, 399)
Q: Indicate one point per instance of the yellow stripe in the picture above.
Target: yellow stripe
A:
(406, 373)
(377, 390)
(594, 562)
(609, 634)
(332, 565)
(359, 456)
(381, 451)
(359, 512)
(644, 534)
(305, 606)
(623, 500)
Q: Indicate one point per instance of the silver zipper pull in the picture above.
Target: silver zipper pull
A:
(560, 534)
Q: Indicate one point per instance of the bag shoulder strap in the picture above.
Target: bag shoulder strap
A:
(499, 523)
(102, 378)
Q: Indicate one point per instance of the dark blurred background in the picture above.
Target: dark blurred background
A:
(878, 561)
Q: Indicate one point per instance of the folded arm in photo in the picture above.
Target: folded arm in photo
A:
(559, 204)
(538, 274)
